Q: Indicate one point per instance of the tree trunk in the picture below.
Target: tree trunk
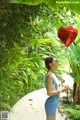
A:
(76, 93)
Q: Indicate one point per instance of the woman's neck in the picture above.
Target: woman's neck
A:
(51, 71)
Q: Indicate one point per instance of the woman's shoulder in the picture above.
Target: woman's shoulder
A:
(49, 75)
(54, 77)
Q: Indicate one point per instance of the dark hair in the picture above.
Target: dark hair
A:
(47, 61)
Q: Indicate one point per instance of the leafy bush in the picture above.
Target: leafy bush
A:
(73, 111)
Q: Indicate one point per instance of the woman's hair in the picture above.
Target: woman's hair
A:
(47, 61)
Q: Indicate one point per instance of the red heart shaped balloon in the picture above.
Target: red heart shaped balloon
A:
(67, 34)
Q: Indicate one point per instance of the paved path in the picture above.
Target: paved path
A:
(31, 107)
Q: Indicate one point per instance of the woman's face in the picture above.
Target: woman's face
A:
(54, 64)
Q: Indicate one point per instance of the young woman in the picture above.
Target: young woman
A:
(53, 90)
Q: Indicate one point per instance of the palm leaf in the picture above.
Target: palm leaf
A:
(74, 60)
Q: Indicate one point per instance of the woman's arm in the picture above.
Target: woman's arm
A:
(50, 91)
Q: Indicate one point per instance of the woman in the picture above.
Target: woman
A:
(53, 90)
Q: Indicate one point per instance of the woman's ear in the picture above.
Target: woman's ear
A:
(50, 64)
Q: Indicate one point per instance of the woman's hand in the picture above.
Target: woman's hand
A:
(64, 88)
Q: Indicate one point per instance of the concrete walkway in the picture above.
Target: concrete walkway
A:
(31, 107)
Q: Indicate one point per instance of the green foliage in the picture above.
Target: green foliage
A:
(25, 41)
(53, 3)
(4, 105)
(73, 111)
(74, 59)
